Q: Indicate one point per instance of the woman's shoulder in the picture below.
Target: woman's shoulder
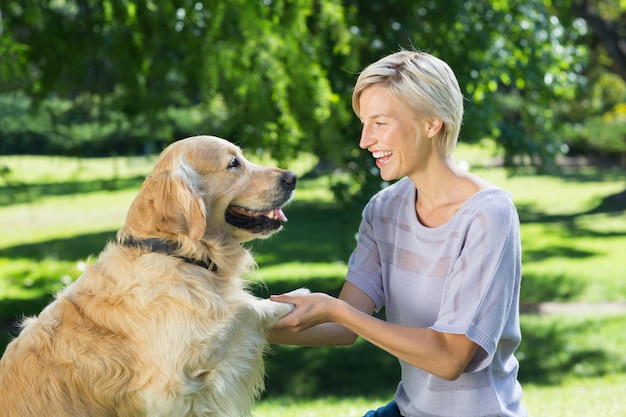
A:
(491, 197)
(494, 204)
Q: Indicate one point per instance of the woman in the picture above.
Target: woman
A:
(440, 249)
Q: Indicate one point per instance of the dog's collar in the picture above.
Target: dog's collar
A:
(167, 248)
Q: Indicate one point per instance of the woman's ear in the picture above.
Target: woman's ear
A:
(433, 126)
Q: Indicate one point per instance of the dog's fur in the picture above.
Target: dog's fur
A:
(148, 333)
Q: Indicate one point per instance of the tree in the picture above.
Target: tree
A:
(597, 118)
(258, 68)
(607, 20)
(277, 74)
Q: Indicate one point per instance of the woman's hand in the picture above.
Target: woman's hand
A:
(310, 310)
(315, 319)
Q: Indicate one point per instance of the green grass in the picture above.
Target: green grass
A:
(57, 212)
(588, 397)
(557, 347)
(573, 234)
(578, 398)
(327, 406)
(29, 169)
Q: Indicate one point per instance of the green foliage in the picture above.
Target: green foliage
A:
(281, 71)
(125, 63)
(13, 62)
(89, 126)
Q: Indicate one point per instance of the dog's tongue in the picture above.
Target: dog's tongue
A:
(278, 214)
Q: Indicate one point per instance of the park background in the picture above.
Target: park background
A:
(90, 91)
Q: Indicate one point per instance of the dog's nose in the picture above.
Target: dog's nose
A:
(289, 179)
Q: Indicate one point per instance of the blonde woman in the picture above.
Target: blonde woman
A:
(440, 249)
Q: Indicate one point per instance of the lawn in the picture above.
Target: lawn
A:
(55, 213)
(590, 397)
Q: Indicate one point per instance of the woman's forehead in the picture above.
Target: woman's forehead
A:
(377, 101)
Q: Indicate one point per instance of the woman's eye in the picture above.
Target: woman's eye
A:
(233, 163)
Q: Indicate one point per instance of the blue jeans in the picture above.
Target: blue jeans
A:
(389, 410)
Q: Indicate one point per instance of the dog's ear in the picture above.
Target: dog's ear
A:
(178, 209)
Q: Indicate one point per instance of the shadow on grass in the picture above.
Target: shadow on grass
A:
(545, 287)
(17, 193)
(63, 249)
(528, 214)
(551, 348)
(310, 372)
(12, 311)
(613, 203)
(313, 233)
(580, 174)
(566, 226)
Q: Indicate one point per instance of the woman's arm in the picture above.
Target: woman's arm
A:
(324, 317)
(319, 332)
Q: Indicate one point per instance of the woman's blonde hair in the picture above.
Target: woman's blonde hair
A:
(425, 84)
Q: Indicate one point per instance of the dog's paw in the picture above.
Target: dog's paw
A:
(299, 291)
(272, 311)
(275, 310)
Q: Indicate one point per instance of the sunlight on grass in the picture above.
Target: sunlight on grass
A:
(574, 398)
(578, 398)
(560, 195)
(314, 190)
(23, 279)
(54, 217)
(558, 346)
(301, 164)
(475, 155)
(31, 169)
(297, 271)
(556, 250)
(323, 407)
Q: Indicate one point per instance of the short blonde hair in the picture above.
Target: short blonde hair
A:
(425, 84)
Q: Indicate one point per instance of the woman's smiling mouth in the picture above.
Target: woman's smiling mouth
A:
(382, 157)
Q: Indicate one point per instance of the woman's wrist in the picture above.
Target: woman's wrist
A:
(339, 311)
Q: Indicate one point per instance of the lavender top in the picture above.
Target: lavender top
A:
(462, 277)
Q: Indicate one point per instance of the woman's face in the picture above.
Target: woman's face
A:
(393, 135)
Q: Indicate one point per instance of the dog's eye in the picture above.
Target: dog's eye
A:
(233, 163)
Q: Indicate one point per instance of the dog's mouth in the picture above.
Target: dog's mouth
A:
(264, 221)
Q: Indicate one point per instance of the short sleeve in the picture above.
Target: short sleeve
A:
(364, 266)
(481, 288)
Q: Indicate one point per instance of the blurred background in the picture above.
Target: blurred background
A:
(542, 78)
(91, 91)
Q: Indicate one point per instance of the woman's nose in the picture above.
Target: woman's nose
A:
(366, 139)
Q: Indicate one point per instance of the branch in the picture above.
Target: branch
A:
(606, 32)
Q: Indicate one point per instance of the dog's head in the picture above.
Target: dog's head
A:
(203, 187)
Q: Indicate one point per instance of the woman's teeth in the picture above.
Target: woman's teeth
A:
(381, 154)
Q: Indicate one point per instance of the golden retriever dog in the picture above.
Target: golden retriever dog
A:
(161, 324)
